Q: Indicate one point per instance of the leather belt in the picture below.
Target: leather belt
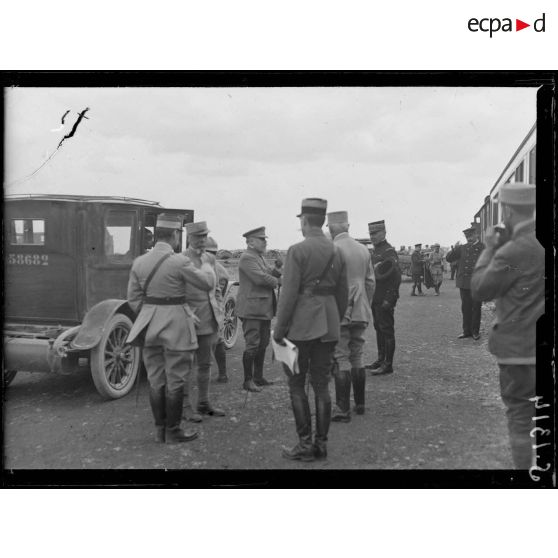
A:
(165, 301)
(317, 291)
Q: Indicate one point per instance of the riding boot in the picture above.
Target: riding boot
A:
(380, 342)
(259, 360)
(173, 433)
(413, 292)
(304, 450)
(220, 354)
(157, 401)
(387, 365)
(358, 378)
(323, 416)
(342, 412)
(248, 358)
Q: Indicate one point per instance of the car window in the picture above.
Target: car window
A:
(119, 227)
(28, 232)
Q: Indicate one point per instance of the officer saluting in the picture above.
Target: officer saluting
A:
(313, 300)
(388, 279)
(156, 289)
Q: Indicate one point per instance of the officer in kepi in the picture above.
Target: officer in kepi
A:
(348, 368)
(156, 288)
(467, 255)
(511, 270)
(388, 279)
(208, 308)
(312, 303)
(256, 305)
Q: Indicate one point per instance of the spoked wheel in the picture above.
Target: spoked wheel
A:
(115, 364)
(230, 325)
(8, 377)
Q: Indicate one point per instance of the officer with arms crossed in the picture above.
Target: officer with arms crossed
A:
(256, 305)
(388, 279)
(156, 289)
(313, 300)
(348, 365)
(511, 270)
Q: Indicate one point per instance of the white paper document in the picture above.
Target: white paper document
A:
(287, 354)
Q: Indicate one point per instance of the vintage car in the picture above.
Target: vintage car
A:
(67, 262)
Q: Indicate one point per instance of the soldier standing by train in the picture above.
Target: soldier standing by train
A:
(388, 279)
(312, 302)
(467, 256)
(348, 367)
(207, 307)
(256, 305)
(166, 324)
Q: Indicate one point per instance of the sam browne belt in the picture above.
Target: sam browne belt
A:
(165, 301)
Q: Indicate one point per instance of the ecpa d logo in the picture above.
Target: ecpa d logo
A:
(492, 25)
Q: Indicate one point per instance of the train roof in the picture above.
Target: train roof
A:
(78, 198)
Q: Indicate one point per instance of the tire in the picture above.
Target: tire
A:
(230, 325)
(8, 377)
(114, 364)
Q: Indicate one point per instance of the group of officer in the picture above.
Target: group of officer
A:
(435, 263)
(330, 291)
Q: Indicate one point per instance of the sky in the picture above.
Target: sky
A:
(422, 159)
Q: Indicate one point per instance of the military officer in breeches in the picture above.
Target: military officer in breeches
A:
(255, 306)
(220, 351)
(206, 305)
(511, 270)
(386, 294)
(467, 255)
(156, 289)
(417, 269)
(348, 367)
(313, 300)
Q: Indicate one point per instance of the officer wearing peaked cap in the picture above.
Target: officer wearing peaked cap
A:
(467, 255)
(156, 289)
(312, 303)
(209, 310)
(348, 367)
(388, 279)
(417, 269)
(511, 270)
(256, 305)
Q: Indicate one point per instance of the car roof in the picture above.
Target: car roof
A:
(77, 198)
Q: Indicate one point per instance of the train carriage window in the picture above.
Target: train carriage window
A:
(519, 172)
(533, 166)
(27, 232)
(119, 239)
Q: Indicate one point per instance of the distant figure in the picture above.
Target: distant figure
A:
(220, 351)
(453, 266)
(436, 265)
(417, 269)
(156, 289)
(148, 240)
(348, 367)
(388, 278)
(467, 256)
(311, 305)
(255, 306)
(511, 270)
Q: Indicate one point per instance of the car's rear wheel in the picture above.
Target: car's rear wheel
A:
(230, 325)
(115, 364)
(8, 377)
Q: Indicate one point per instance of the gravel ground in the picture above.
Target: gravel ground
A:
(440, 410)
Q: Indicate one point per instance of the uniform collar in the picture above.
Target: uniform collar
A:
(162, 247)
(524, 227)
(340, 236)
(314, 232)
